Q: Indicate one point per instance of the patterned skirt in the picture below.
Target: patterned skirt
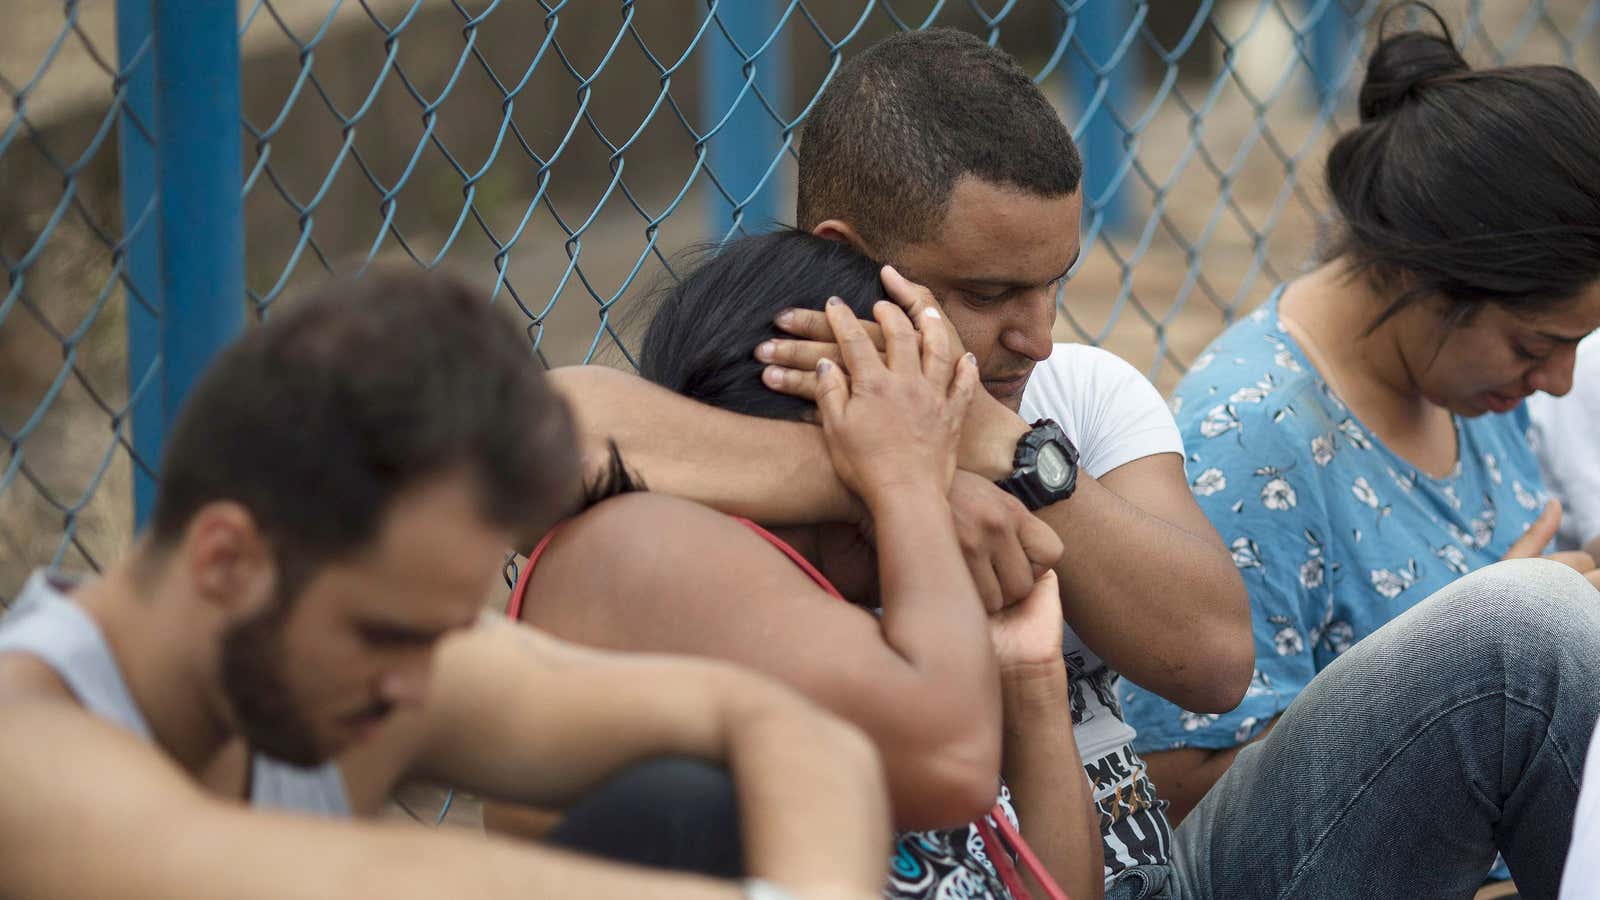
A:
(946, 865)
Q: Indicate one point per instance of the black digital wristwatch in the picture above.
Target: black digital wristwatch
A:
(1044, 469)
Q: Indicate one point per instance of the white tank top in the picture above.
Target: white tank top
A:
(48, 625)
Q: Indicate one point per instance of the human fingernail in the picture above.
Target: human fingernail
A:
(773, 376)
(765, 350)
(824, 366)
(835, 301)
(971, 359)
(785, 318)
(931, 312)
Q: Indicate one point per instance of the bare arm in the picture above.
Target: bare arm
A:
(768, 470)
(636, 573)
(772, 471)
(518, 715)
(1041, 765)
(1201, 655)
(778, 472)
(92, 812)
(1049, 788)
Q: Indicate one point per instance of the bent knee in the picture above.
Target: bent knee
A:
(1527, 600)
(1517, 581)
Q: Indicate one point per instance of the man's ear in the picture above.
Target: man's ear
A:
(843, 232)
(227, 559)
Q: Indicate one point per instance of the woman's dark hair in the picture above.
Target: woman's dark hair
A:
(702, 339)
(1477, 186)
(705, 326)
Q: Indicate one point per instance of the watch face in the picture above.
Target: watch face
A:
(1052, 466)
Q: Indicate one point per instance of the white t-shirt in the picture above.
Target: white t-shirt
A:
(1113, 415)
(1566, 435)
(1582, 878)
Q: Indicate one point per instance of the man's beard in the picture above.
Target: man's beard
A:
(253, 680)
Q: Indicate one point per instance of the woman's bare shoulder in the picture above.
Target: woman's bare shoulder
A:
(641, 538)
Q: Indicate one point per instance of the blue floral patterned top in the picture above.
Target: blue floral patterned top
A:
(1334, 534)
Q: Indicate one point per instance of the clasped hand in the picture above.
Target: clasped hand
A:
(893, 395)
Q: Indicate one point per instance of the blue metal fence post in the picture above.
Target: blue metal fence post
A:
(1331, 33)
(200, 176)
(1099, 27)
(141, 249)
(743, 151)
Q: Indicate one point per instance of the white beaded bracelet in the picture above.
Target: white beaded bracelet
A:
(760, 889)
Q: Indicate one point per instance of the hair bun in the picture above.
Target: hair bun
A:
(1404, 63)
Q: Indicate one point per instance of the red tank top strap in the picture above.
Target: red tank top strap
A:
(520, 589)
(794, 556)
(999, 858)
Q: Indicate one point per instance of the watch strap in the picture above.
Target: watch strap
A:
(1023, 482)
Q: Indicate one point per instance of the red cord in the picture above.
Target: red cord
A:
(520, 589)
(999, 858)
(1052, 890)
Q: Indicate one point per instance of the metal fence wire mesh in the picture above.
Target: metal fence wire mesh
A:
(562, 153)
(65, 387)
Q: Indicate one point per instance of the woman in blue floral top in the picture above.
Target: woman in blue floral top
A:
(1360, 439)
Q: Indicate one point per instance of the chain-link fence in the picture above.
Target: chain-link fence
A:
(562, 152)
(66, 389)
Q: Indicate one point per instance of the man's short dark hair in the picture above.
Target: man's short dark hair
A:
(348, 395)
(901, 123)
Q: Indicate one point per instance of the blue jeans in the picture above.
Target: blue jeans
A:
(677, 814)
(1454, 731)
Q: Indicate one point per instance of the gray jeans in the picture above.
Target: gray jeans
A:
(1454, 731)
